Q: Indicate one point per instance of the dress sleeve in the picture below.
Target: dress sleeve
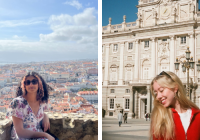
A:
(15, 109)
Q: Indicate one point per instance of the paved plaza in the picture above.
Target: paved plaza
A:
(135, 129)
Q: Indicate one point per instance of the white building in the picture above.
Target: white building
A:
(90, 96)
(133, 53)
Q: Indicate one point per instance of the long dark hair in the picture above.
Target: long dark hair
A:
(43, 88)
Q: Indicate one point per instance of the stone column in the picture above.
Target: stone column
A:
(121, 66)
(130, 114)
(172, 55)
(191, 45)
(153, 58)
(136, 73)
(136, 104)
(105, 82)
(148, 100)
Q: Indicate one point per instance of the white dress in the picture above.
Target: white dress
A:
(20, 108)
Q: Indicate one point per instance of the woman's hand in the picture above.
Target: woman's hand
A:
(49, 137)
(45, 123)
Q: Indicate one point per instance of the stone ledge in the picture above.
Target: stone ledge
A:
(65, 126)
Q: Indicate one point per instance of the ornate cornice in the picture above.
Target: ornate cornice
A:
(107, 44)
(153, 38)
(191, 34)
(172, 37)
(121, 43)
(137, 41)
(148, 4)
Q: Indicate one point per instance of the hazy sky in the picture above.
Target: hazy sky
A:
(48, 30)
(116, 9)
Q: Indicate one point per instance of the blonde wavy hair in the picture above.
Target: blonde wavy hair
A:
(162, 123)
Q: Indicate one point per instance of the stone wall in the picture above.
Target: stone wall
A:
(64, 126)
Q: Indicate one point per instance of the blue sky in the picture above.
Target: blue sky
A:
(116, 9)
(48, 30)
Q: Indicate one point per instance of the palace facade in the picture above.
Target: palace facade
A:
(135, 52)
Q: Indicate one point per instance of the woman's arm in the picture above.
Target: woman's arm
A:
(23, 133)
(45, 122)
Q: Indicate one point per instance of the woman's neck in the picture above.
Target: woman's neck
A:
(30, 97)
(178, 108)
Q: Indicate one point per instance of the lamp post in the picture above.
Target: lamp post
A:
(187, 65)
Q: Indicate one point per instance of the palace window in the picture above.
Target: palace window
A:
(112, 91)
(164, 40)
(145, 73)
(115, 48)
(127, 90)
(130, 46)
(111, 103)
(127, 104)
(146, 44)
(183, 40)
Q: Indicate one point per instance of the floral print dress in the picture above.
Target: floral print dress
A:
(20, 108)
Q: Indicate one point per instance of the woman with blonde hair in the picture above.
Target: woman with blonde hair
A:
(174, 116)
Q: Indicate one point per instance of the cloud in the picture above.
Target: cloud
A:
(21, 51)
(71, 37)
(74, 3)
(81, 28)
(19, 37)
(23, 22)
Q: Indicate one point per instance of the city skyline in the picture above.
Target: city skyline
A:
(64, 30)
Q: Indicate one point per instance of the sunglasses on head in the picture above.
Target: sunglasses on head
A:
(28, 82)
(164, 73)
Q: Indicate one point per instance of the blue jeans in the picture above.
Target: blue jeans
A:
(120, 122)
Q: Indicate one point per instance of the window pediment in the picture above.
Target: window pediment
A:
(114, 66)
(129, 65)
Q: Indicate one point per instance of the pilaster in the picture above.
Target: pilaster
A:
(153, 58)
(105, 82)
(172, 53)
(148, 99)
(136, 104)
(130, 114)
(121, 66)
(136, 70)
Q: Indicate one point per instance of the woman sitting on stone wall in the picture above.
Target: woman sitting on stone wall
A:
(174, 116)
(27, 109)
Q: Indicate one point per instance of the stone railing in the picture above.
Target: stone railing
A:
(65, 126)
(118, 27)
(146, 1)
(112, 82)
(126, 82)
